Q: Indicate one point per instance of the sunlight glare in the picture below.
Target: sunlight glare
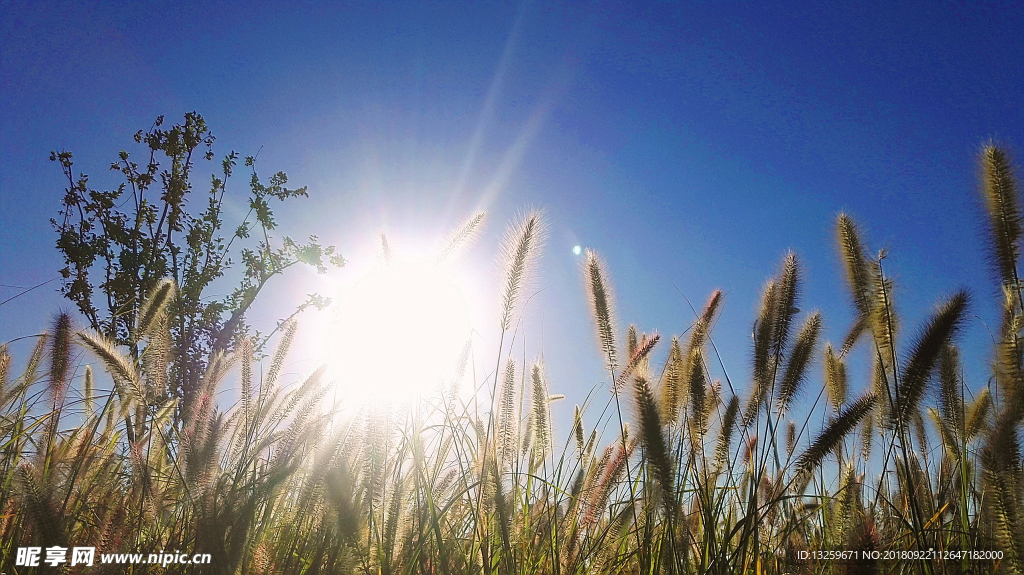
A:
(397, 333)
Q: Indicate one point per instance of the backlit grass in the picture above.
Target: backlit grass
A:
(697, 475)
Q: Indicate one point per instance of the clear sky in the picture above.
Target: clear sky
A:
(691, 144)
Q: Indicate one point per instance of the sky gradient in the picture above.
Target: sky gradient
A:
(690, 144)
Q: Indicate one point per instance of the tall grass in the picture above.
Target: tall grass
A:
(699, 473)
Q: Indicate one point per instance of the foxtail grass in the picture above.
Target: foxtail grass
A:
(877, 443)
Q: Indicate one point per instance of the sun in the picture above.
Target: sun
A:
(397, 333)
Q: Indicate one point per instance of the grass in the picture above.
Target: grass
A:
(697, 476)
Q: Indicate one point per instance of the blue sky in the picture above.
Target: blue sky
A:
(691, 144)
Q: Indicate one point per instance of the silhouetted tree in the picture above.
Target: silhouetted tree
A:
(117, 244)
